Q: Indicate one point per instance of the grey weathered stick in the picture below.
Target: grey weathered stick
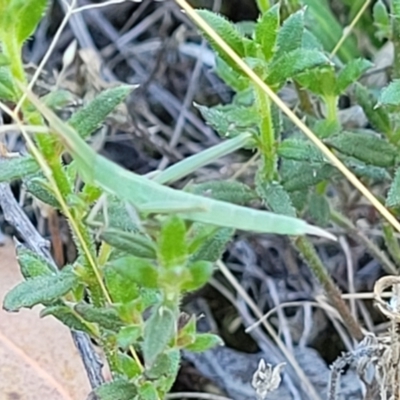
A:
(14, 215)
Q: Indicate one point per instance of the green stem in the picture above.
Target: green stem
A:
(311, 257)
(267, 135)
(392, 243)
(331, 108)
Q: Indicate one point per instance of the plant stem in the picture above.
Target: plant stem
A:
(311, 257)
(331, 108)
(267, 136)
(392, 243)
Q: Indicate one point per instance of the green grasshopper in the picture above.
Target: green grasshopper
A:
(147, 196)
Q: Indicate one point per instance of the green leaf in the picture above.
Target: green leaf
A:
(26, 15)
(136, 270)
(393, 196)
(89, 118)
(128, 335)
(4, 61)
(228, 32)
(121, 289)
(390, 95)
(147, 391)
(230, 76)
(350, 73)
(230, 120)
(276, 198)
(363, 170)
(230, 191)
(321, 81)
(136, 244)
(37, 185)
(127, 366)
(118, 389)
(58, 99)
(166, 364)
(290, 35)
(381, 20)
(172, 243)
(17, 168)
(107, 318)
(378, 117)
(159, 329)
(293, 63)
(68, 317)
(299, 150)
(200, 273)
(266, 31)
(318, 209)
(213, 242)
(32, 265)
(365, 146)
(7, 91)
(42, 289)
(301, 175)
(204, 342)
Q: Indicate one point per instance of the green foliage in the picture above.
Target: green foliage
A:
(90, 117)
(227, 31)
(266, 31)
(159, 330)
(365, 146)
(381, 20)
(17, 167)
(32, 265)
(118, 389)
(42, 289)
(204, 341)
(390, 96)
(393, 196)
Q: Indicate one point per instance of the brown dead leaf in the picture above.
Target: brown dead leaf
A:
(38, 359)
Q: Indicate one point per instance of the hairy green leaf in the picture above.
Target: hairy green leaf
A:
(7, 91)
(90, 117)
(213, 242)
(266, 31)
(23, 16)
(128, 335)
(321, 81)
(319, 210)
(290, 35)
(276, 198)
(42, 289)
(365, 146)
(200, 274)
(17, 168)
(381, 20)
(107, 318)
(393, 196)
(172, 243)
(117, 389)
(121, 290)
(300, 150)
(230, 76)
(363, 170)
(228, 32)
(350, 73)
(136, 244)
(159, 330)
(165, 364)
(204, 342)
(37, 185)
(136, 270)
(293, 63)
(32, 264)
(390, 95)
(68, 317)
(128, 366)
(378, 117)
